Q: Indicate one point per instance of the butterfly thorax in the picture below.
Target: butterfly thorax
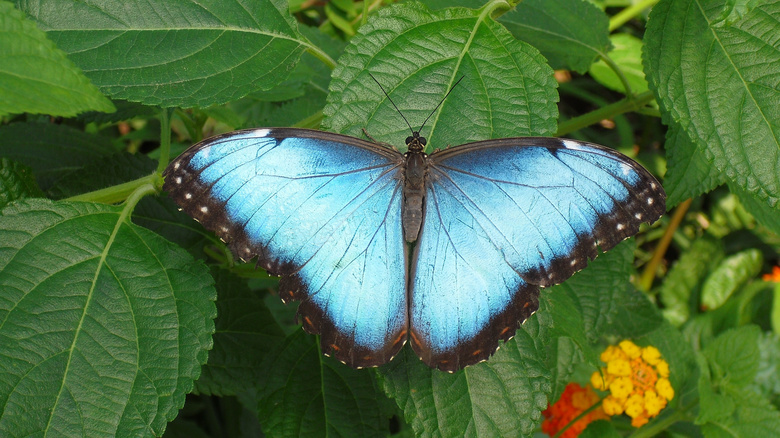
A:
(414, 186)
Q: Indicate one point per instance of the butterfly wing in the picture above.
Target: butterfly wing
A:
(504, 217)
(323, 211)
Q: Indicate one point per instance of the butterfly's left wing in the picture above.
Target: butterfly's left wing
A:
(505, 217)
(324, 211)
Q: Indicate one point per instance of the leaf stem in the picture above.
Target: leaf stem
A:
(628, 13)
(607, 112)
(320, 54)
(119, 192)
(646, 279)
(616, 68)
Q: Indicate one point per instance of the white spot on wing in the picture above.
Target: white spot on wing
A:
(262, 132)
(574, 145)
(176, 165)
(204, 209)
(188, 196)
(650, 201)
(178, 180)
(638, 216)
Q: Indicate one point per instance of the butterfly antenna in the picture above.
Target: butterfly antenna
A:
(440, 102)
(391, 101)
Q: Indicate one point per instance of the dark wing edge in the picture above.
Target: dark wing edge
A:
(646, 204)
(209, 212)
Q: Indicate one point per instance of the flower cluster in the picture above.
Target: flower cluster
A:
(637, 380)
(574, 401)
(774, 276)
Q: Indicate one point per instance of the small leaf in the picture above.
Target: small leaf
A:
(16, 182)
(503, 396)
(187, 53)
(684, 280)
(733, 356)
(105, 324)
(719, 83)
(600, 429)
(306, 394)
(417, 55)
(729, 276)
(627, 54)
(763, 213)
(36, 77)
(753, 417)
(571, 34)
(636, 315)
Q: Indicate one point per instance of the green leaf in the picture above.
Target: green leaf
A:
(565, 354)
(733, 356)
(680, 290)
(600, 429)
(599, 289)
(418, 55)
(627, 54)
(719, 83)
(188, 53)
(763, 213)
(729, 276)
(306, 394)
(105, 324)
(52, 151)
(571, 34)
(16, 182)
(636, 315)
(36, 77)
(689, 172)
(769, 362)
(729, 406)
(500, 397)
(245, 333)
(753, 417)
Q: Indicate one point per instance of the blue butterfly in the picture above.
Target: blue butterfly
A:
(448, 250)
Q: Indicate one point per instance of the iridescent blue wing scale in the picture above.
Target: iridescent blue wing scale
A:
(505, 217)
(323, 211)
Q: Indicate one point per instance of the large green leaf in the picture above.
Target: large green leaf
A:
(105, 325)
(502, 397)
(185, 53)
(719, 82)
(305, 394)
(16, 182)
(51, 150)
(37, 77)
(417, 55)
(572, 34)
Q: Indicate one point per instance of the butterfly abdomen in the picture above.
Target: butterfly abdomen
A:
(414, 190)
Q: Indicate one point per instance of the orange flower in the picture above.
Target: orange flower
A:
(774, 276)
(574, 401)
(637, 379)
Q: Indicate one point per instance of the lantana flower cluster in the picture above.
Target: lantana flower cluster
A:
(574, 401)
(637, 380)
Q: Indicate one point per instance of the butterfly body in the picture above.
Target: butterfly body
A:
(489, 224)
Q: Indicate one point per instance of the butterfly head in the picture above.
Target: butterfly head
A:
(415, 142)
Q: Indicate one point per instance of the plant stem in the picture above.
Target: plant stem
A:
(628, 13)
(607, 112)
(165, 139)
(120, 192)
(646, 279)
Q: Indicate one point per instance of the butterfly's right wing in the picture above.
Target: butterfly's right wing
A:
(324, 211)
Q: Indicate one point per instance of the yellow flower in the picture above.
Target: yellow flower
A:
(637, 379)
(612, 406)
(630, 348)
(619, 367)
(663, 368)
(621, 388)
(651, 355)
(664, 388)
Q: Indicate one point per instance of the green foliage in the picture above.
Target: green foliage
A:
(107, 312)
